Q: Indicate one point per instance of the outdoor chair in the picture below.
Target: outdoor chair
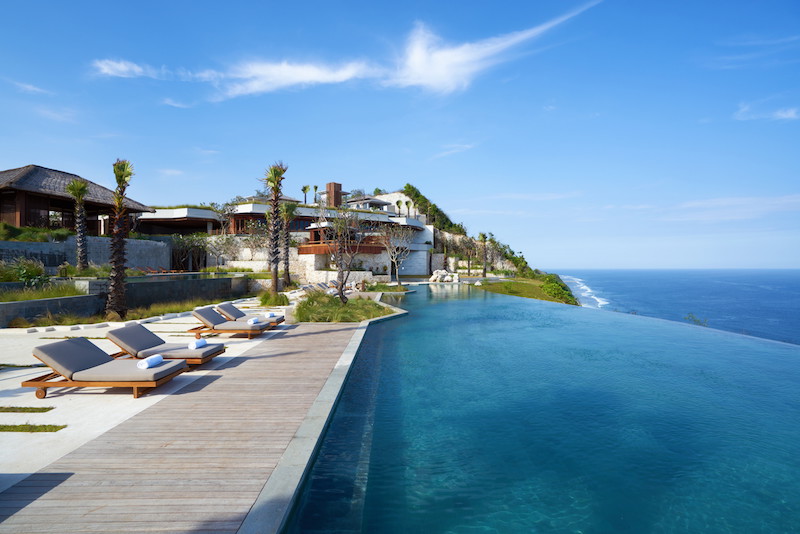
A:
(232, 313)
(139, 342)
(77, 362)
(214, 323)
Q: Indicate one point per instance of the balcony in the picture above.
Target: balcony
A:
(369, 246)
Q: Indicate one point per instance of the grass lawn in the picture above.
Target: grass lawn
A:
(523, 287)
(25, 409)
(321, 308)
(31, 428)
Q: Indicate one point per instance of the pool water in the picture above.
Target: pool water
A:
(487, 413)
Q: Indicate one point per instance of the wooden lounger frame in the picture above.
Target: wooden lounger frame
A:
(203, 329)
(49, 381)
(189, 361)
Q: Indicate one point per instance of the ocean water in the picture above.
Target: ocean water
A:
(762, 303)
(479, 412)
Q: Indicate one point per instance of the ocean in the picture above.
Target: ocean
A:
(761, 303)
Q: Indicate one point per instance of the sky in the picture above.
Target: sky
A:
(606, 134)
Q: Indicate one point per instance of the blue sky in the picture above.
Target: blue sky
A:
(613, 134)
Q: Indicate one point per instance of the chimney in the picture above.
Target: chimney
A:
(333, 193)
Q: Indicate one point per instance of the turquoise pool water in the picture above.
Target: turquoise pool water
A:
(487, 413)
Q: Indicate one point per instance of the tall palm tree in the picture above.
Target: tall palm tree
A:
(315, 193)
(77, 189)
(408, 208)
(482, 239)
(288, 210)
(273, 178)
(399, 204)
(123, 170)
(305, 189)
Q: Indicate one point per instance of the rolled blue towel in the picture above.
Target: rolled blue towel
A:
(254, 320)
(150, 361)
(197, 343)
(269, 314)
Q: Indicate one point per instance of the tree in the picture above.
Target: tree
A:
(77, 189)
(482, 239)
(256, 235)
(305, 189)
(378, 191)
(344, 232)
(189, 251)
(399, 204)
(224, 212)
(222, 245)
(408, 208)
(396, 240)
(123, 171)
(468, 248)
(315, 193)
(288, 210)
(273, 177)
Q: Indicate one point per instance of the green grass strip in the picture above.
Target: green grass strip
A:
(26, 409)
(31, 428)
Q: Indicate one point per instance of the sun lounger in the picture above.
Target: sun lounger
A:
(140, 342)
(77, 362)
(233, 313)
(217, 324)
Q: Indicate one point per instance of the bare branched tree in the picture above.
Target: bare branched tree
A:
(396, 240)
(226, 245)
(344, 231)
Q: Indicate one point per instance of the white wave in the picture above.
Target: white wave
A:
(589, 300)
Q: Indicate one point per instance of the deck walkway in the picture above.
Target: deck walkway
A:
(195, 461)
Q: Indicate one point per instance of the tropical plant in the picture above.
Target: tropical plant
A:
(77, 189)
(305, 189)
(224, 213)
(288, 209)
(315, 193)
(256, 235)
(408, 208)
(344, 233)
(116, 304)
(273, 177)
(468, 249)
(399, 205)
(220, 246)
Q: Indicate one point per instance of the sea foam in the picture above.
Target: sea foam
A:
(587, 297)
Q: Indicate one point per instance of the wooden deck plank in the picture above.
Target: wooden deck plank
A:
(195, 461)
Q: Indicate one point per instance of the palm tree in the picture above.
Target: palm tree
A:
(273, 178)
(482, 239)
(288, 210)
(305, 189)
(123, 170)
(315, 193)
(399, 204)
(77, 189)
(408, 208)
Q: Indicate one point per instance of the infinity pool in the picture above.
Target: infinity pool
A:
(487, 413)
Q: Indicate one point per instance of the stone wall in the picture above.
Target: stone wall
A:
(138, 252)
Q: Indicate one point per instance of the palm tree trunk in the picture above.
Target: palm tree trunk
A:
(274, 244)
(286, 238)
(80, 237)
(116, 289)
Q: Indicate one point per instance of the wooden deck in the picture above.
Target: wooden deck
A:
(195, 461)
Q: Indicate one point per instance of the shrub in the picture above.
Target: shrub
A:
(93, 271)
(49, 292)
(9, 232)
(384, 288)
(268, 299)
(323, 308)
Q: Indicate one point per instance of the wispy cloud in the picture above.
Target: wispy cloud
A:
(174, 103)
(29, 88)
(120, 68)
(733, 208)
(430, 64)
(747, 113)
(206, 151)
(59, 115)
(449, 150)
(754, 52)
(262, 77)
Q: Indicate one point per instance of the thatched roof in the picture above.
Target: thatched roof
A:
(50, 182)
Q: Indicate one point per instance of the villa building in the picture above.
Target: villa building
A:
(37, 196)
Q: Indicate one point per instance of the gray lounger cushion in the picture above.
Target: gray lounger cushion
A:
(241, 325)
(230, 311)
(180, 350)
(126, 371)
(208, 317)
(70, 356)
(134, 338)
